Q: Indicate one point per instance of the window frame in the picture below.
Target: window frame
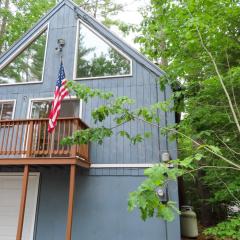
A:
(79, 21)
(14, 107)
(31, 100)
(24, 47)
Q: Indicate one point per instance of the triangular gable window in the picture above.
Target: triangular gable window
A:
(27, 67)
(98, 58)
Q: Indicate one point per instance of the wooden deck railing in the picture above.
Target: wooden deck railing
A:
(29, 138)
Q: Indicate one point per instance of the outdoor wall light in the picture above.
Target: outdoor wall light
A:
(61, 44)
(162, 193)
(165, 157)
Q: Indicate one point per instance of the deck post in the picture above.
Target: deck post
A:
(70, 202)
(23, 202)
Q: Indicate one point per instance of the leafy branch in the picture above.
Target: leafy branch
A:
(145, 197)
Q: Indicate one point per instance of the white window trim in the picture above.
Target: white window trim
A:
(22, 48)
(14, 105)
(107, 42)
(36, 193)
(31, 100)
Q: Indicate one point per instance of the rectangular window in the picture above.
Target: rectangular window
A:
(42, 108)
(6, 110)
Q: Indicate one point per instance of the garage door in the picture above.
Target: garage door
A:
(10, 195)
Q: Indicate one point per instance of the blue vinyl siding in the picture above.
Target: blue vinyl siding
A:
(100, 210)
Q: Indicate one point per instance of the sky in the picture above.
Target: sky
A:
(131, 7)
(131, 15)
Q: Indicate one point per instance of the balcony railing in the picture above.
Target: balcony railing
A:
(29, 138)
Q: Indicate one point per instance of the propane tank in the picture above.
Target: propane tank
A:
(188, 222)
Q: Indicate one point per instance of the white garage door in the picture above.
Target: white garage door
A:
(10, 196)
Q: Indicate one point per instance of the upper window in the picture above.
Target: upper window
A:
(28, 65)
(97, 58)
(6, 110)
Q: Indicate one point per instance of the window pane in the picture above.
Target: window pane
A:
(69, 108)
(96, 58)
(26, 67)
(7, 111)
(41, 109)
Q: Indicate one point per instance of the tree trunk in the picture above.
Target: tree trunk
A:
(205, 211)
(3, 25)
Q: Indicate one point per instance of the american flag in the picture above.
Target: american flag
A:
(59, 94)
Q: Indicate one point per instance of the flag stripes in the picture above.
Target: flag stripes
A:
(60, 93)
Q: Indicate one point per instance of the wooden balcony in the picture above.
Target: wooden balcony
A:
(28, 142)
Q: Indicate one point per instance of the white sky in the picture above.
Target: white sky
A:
(130, 15)
(131, 7)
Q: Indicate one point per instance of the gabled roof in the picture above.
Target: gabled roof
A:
(92, 22)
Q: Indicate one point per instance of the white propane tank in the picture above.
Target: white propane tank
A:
(188, 220)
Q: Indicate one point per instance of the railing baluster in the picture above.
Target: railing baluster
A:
(11, 140)
(16, 140)
(43, 128)
(21, 151)
(69, 134)
(59, 131)
(26, 135)
(8, 132)
(37, 136)
(48, 147)
(3, 137)
(30, 138)
(74, 147)
(64, 129)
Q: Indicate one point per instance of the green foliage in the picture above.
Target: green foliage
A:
(173, 42)
(117, 107)
(225, 230)
(18, 17)
(146, 198)
(121, 110)
(84, 92)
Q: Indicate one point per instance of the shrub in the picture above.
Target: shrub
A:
(229, 229)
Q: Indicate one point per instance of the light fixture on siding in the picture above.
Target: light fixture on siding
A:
(166, 158)
(61, 44)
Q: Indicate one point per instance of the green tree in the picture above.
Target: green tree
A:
(16, 17)
(197, 44)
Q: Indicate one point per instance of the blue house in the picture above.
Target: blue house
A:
(54, 192)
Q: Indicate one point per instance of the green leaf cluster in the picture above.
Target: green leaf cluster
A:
(168, 35)
(226, 230)
(146, 198)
